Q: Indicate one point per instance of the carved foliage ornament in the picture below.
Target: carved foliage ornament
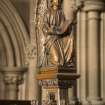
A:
(56, 83)
(13, 79)
(31, 52)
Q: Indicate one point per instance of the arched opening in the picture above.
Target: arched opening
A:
(13, 39)
(13, 33)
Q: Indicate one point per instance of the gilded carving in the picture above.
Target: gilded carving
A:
(58, 43)
(53, 39)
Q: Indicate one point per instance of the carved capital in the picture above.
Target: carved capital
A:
(13, 75)
(94, 5)
(31, 52)
(13, 79)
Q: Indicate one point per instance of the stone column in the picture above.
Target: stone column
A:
(102, 54)
(78, 52)
(94, 8)
(82, 60)
(33, 89)
(33, 92)
(12, 76)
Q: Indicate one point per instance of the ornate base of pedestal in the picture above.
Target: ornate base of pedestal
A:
(55, 82)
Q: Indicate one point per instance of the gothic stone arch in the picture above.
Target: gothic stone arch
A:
(13, 34)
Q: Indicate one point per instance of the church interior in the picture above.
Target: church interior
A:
(52, 52)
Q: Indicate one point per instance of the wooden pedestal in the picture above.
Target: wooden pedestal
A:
(55, 82)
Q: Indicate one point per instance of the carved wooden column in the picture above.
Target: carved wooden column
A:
(13, 77)
(94, 8)
(56, 81)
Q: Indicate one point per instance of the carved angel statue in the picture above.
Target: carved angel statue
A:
(58, 46)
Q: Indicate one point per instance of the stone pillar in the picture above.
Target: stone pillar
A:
(93, 9)
(78, 50)
(93, 56)
(12, 76)
(103, 55)
(33, 92)
(82, 60)
(33, 88)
